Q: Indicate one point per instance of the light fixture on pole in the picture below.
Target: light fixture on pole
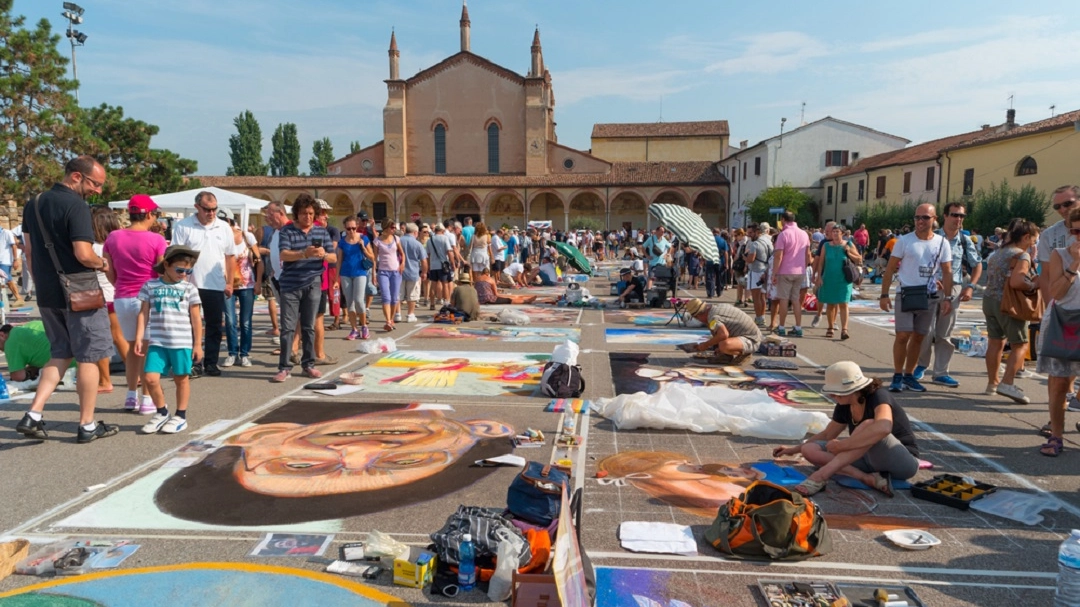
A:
(73, 13)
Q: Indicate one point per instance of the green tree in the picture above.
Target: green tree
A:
(883, 216)
(285, 159)
(322, 155)
(783, 196)
(586, 223)
(122, 145)
(245, 147)
(39, 118)
(354, 147)
(1000, 204)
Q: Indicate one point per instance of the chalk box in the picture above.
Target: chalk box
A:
(417, 570)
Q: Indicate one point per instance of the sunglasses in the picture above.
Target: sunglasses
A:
(184, 271)
(958, 215)
(207, 209)
(923, 217)
(1068, 204)
(350, 229)
(1074, 231)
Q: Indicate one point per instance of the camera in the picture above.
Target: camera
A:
(316, 242)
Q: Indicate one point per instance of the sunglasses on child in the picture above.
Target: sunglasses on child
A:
(184, 271)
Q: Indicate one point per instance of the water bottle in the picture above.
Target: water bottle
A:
(4, 395)
(1068, 581)
(466, 577)
(568, 425)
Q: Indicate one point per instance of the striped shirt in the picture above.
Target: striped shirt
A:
(299, 274)
(170, 312)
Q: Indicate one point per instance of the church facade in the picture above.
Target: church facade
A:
(469, 137)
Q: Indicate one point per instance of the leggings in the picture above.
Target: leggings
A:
(354, 288)
(390, 286)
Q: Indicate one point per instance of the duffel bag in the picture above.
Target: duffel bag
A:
(769, 522)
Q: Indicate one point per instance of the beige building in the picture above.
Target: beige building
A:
(469, 137)
(661, 141)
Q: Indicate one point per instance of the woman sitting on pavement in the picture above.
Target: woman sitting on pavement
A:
(488, 292)
(880, 445)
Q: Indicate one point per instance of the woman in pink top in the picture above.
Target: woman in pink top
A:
(132, 253)
(389, 257)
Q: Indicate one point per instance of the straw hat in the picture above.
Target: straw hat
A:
(844, 378)
(694, 307)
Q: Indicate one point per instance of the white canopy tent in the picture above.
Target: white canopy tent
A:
(241, 205)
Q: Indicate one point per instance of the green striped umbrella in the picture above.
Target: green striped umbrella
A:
(689, 227)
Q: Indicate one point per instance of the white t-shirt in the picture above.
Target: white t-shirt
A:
(548, 270)
(7, 240)
(917, 256)
(499, 247)
(106, 286)
(213, 242)
(1054, 237)
(514, 269)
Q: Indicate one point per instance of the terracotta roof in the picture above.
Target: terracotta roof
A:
(622, 174)
(464, 57)
(660, 129)
(1050, 124)
(916, 153)
(351, 154)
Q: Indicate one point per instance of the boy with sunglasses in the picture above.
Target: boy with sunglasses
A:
(169, 335)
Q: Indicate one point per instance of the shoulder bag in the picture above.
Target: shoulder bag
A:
(1060, 334)
(851, 271)
(1022, 304)
(770, 522)
(917, 298)
(81, 289)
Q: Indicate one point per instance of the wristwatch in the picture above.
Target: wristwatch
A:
(884, 296)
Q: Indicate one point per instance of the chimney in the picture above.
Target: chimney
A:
(743, 144)
(1010, 118)
(985, 127)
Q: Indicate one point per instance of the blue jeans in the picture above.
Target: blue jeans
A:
(246, 297)
(390, 286)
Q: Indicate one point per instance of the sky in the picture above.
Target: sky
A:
(920, 70)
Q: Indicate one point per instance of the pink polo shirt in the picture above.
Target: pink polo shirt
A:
(793, 242)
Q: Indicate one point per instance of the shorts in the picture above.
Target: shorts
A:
(1000, 325)
(443, 274)
(913, 322)
(168, 361)
(753, 278)
(127, 314)
(788, 287)
(497, 266)
(6, 269)
(410, 290)
(749, 345)
(324, 303)
(84, 336)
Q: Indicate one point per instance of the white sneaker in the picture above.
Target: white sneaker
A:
(229, 361)
(174, 425)
(1023, 373)
(397, 317)
(1011, 391)
(274, 340)
(245, 361)
(814, 323)
(991, 389)
(154, 425)
(410, 318)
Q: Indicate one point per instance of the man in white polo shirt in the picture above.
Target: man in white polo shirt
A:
(213, 276)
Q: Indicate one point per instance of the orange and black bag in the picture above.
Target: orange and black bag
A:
(769, 522)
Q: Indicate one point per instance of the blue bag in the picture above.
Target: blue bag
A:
(536, 493)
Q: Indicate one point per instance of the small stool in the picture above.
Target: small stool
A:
(678, 304)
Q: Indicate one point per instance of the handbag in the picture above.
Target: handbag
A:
(536, 493)
(914, 299)
(1022, 304)
(1060, 334)
(81, 289)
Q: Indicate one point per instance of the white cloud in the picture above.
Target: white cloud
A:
(637, 84)
(945, 37)
(772, 53)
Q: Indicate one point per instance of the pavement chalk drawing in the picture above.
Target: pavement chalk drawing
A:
(307, 464)
(501, 333)
(641, 588)
(562, 316)
(464, 373)
(199, 585)
(641, 318)
(659, 337)
(639, 372)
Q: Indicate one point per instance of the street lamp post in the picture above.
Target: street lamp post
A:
(73, 13)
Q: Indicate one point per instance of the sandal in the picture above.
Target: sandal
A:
(844, 335)
(1045, 430)
(1053, 447)
(810, 487)
(276, 352)
(829, 334)
(883, 483)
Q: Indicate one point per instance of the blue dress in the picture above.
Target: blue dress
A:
(834, 289)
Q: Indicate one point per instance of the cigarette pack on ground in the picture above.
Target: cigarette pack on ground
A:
(416, 570)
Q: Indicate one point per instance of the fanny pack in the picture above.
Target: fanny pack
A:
(914, 299)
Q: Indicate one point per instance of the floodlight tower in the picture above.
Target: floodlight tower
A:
(73, 13)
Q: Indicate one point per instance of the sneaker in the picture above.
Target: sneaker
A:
(245, 361)
(910, 383)
(229, 361)
(281, 376)
(275, 340)
(147, 407)
(991, 389)
(397, 317)
(919, 372)
(364, 332)
(410, 318)
(760, 322)
(312, 372)
(781, 331)
(131, 404)
(1011, 391)
(796, 332)
(1072, 403)
(1023, 374)
(196, 371)
(32, 429)
(814, 323)
(174, 425)
(897, 384)
(213, 370)
(154, 425)
(945, 380)
(101, 430)
(353, 335)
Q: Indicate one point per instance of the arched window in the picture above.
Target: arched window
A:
(1027, 166)
(493, 148)
(440, 149)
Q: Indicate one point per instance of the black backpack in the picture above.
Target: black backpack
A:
(560, 380)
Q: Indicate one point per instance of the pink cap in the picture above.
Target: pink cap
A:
(141, 203)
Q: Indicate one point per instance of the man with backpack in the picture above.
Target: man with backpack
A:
(758, 252)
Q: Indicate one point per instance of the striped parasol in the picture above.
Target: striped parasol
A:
(689, 227)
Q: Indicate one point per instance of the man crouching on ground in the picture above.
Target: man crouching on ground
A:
(734, 335)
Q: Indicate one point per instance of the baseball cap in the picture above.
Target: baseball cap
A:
(141, 203)
(224, 213)
(171, 253)
(362, 215)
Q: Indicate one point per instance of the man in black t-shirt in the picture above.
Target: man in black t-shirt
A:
(62, 214)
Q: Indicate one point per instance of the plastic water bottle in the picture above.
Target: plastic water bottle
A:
(4, 395)
(1068, 581)
(568, 426)
(466, 577)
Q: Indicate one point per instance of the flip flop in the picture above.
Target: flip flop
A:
(810, 487)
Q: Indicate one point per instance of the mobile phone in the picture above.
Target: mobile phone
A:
(316, 242)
